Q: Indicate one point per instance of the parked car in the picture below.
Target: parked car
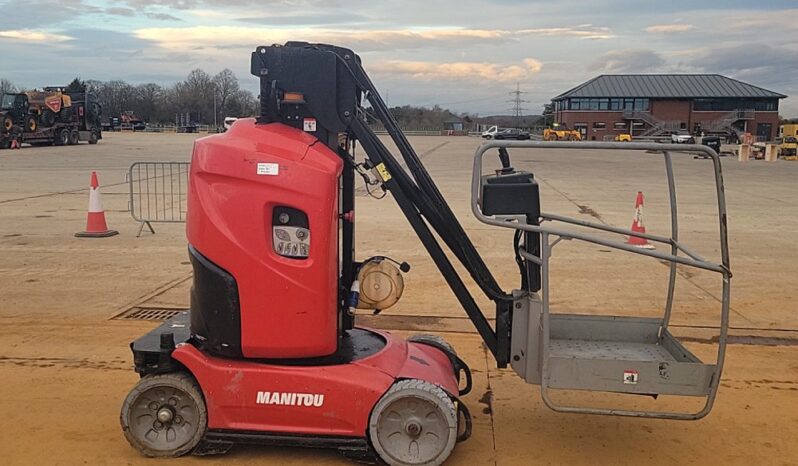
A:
(682, 138)
(512, 133)
(490, 132)
(228, 122)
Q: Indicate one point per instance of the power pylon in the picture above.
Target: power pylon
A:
(517, 101)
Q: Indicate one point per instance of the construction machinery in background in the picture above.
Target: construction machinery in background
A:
(50, 106)
(788, 147)
(50, 117)
(270, 353)
(560, 132)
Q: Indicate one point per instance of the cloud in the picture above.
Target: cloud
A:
(669, 28)
(583, 31)
(315, 18)
(117, 11)
(360, 40)
(457, 70)
(29, 35)
(754, 20)
(627, 61)
(162, 17)
(758, 62)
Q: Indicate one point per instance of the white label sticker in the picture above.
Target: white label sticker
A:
(268, 169)
(630, 377)
(310, 124)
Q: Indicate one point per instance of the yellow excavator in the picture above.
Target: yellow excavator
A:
(560, 132)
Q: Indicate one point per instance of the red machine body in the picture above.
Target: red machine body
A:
(326, 400)
(288, 305)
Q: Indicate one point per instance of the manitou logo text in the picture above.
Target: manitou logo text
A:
(290, 399)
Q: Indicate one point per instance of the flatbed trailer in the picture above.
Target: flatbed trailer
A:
(83, 126)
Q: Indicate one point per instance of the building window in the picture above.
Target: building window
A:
(599, 125)
(620, 125)
(727, 105)
(682, 125)
(607, 104)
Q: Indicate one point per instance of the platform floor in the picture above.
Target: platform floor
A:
(609, 350)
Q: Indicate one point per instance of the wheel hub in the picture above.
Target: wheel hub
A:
(413, 428)
(165, 415)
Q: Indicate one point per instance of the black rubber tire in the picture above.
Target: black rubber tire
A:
(430, 405)
(94, 137)
(190, 393)
(432, 340)
(31, 124)
(5, 144)
(65, 115)
(74, 137)
(47, 118)
(8, 123)
(62, 137)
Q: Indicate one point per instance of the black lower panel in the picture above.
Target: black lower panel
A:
(152, 352)
(215, 308)
(220, 441)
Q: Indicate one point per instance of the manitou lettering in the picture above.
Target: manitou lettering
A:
(290, 399)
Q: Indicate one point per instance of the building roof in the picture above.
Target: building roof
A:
(663, 86)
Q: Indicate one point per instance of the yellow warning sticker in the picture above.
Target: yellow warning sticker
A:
(383, 172)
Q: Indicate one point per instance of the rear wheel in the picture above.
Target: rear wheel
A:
(62, 137)
(414, 423)
(432, 340)
(74, 137)
(164, 415)
(48, 118)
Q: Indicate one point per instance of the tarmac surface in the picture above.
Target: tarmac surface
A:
(65, 364)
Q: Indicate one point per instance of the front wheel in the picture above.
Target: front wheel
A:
(164, 415)
(414, 423)
(94, 136)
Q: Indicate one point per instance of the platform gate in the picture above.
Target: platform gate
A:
(158, 193)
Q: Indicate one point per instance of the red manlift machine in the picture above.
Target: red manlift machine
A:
(269, 352)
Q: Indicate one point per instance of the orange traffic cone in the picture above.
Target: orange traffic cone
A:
(15, 144)
(637, 225)
(95, 221)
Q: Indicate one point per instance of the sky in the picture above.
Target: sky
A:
(465, 55)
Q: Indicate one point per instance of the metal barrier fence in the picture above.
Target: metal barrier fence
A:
(158, 192)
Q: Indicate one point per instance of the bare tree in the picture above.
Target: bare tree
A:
(226, 86)
(199, 90)
(7, 87)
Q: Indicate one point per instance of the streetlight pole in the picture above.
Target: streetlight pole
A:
(215, 113)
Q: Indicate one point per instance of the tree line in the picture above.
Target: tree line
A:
(201, 98)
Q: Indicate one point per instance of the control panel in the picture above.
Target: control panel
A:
(290, 233)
